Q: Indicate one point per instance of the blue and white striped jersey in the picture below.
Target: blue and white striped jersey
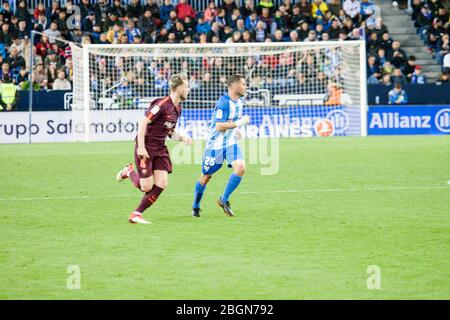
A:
(226, 110)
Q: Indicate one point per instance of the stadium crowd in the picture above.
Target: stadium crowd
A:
(105, 22)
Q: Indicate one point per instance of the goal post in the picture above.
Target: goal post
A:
(295, 89)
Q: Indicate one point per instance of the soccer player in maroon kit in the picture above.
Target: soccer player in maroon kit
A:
(150, 153)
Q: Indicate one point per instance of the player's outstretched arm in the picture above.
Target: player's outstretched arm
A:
(222, 126)
(142, 128)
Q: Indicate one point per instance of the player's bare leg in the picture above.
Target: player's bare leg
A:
(125, 172)
(143, 184)
(198, 194)
(233, 183)
(153, 187)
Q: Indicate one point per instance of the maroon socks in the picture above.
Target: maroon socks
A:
(149, 198)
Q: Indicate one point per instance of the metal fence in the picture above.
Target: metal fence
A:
(198, 5)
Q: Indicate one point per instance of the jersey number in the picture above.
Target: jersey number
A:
(210, 161)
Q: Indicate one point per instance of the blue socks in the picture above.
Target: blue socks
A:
(198, 194)
(233, 183)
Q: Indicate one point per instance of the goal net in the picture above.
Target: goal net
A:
(295, 89)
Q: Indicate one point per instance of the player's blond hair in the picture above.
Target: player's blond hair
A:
(177, 80)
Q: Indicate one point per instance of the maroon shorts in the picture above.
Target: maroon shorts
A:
(159, 160)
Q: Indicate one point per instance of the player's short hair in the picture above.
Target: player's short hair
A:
(177, 80)
(233, 79)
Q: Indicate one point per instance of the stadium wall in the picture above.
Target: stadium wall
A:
(121, 125)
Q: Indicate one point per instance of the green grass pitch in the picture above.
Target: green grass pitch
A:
(336, 207)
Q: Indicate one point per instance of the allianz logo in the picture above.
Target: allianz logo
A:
(394, 120)
(442, 120)
(340, 120)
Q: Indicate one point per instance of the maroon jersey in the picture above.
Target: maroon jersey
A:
(164, 115)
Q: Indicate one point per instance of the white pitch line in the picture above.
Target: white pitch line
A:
(362, 189)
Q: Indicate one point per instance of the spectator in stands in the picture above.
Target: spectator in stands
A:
(40, 9)
(398, 55)
(240, 26)
(88, 22)
(380, 27)
(418, 77)
(372, 44)
(247, 8)
(334, 95)
(15, 61)
(443, 48)
(381, 57)
(40, 77)
(101, 9)
(435, 5)
(386, 43)
(353, 8)
(397, 95)
(229, 6)
(6, 36)
(251, 21)
(21, 79)
(260, 33)
(61, 83)
(231, 20)
(202, 26)
(52, 32)
(266, 17)
(184, 9)
(134, 9)
(443, 78)
(424, 20)
(409, 68)
(22, 12)
(5, 71)
(220, 17)
(40, 23)
(311, 36)
(52, 59)
(443, 16)
(303, 31)
(373, 71)
(85, 7)
(5, 11)
(9, 95)
(398, 77)
(446, 63)
(367, 9)
(51, 75)
(305, 11)
(153, 7)
(131, 31)
(164, 10)
(434, 34)
(386, 80)
(335, 29)
(114, 34)
(335, 6)
(319, 8)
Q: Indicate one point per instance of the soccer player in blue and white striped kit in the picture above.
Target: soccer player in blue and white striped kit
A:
(222, 144)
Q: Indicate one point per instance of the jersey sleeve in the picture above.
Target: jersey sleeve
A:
(222, 110)
(155, 110)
